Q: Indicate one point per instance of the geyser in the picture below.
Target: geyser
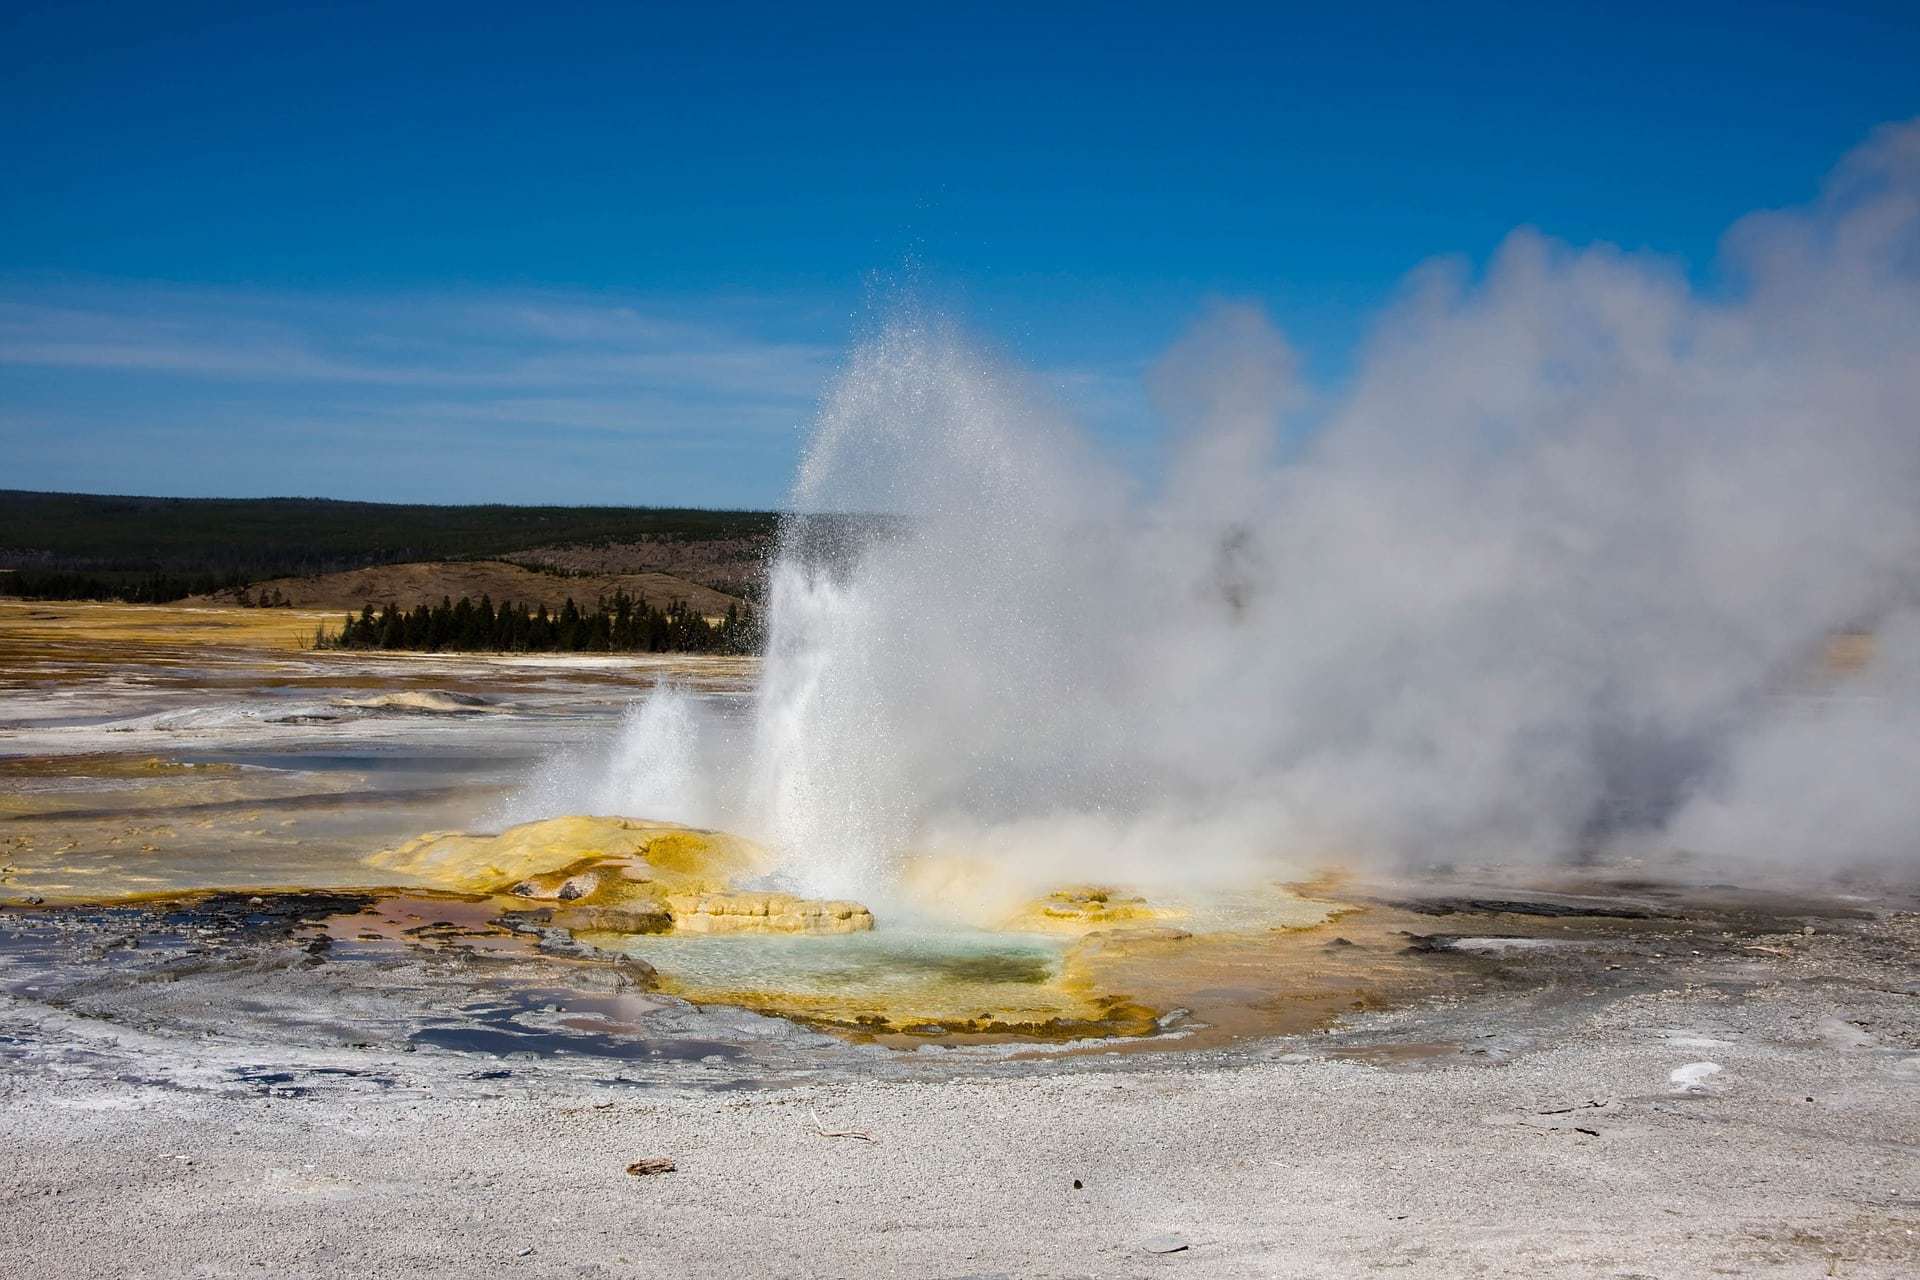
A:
(1551, 570)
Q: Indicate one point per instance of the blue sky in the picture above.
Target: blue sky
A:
(612, 253)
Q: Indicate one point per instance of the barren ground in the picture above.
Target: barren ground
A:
(199, 1086)
(1538, 1132)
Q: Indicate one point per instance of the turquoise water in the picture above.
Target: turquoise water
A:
(888, 960)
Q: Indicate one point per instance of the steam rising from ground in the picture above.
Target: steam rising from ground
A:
(1554, 571)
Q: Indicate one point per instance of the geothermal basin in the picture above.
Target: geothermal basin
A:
(393, 812)
(233, 970)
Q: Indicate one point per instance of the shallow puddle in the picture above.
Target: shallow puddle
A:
(892, 977)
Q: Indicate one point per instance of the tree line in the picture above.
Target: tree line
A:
(619, 625)
(114, 539)
(145, 588)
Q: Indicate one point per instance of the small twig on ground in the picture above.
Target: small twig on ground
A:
(822, 1131)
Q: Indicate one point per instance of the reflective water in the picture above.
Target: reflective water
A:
(916, 977)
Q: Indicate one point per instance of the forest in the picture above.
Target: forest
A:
(131, 548)
(132, 588)
(619, 625)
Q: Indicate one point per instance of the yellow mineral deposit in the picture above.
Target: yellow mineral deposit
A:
(621, 875)
(985, 893)
(976, 953)
(1085, 962)
(664, 856)
(748, 912)
(1083, 908)
(612, 879)
(954, 1008)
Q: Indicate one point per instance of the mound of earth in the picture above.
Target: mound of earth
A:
(1079, 908)
(426, 701)
(732, 565)
(620, 875)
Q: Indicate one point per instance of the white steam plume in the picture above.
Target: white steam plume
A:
(1554, 570)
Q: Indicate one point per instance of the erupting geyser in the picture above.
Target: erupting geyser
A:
(1552, 569)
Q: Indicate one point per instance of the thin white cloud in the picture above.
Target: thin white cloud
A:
(402, 341)
(456, 395)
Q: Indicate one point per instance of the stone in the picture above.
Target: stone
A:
(638, 918)
(637, 972)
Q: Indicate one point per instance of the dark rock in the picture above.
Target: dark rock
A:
(1520, 907)
(636, 919)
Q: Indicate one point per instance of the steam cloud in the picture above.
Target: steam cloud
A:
(1554, 571)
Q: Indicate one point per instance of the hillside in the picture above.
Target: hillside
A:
(254, 539)
(732, 565)
(407, 585)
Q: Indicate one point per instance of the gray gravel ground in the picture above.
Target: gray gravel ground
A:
(1546, 1137)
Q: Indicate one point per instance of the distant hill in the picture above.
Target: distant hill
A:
(407, 585)
(197, 544)
(733, 565)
